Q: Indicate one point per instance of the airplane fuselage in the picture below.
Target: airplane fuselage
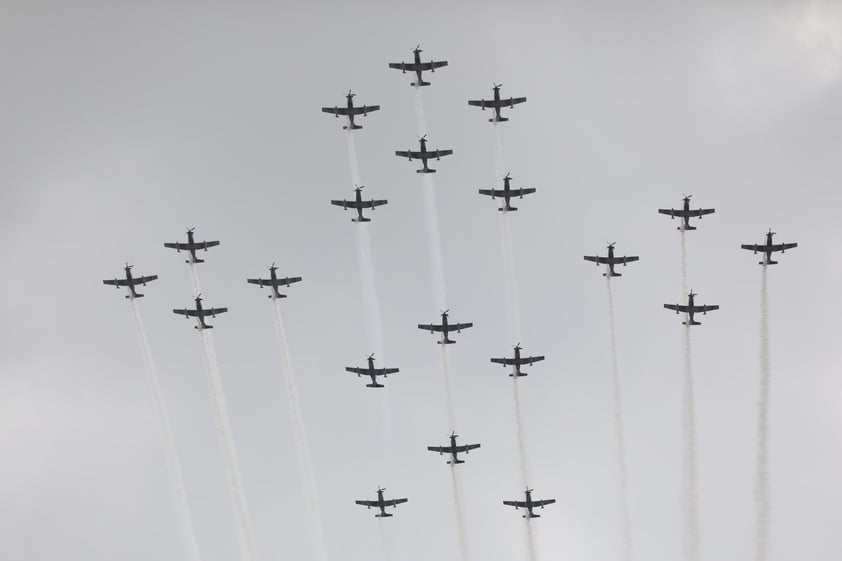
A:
(132, 293)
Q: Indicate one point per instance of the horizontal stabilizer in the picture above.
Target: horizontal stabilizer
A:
(688, 227)
(509, 209)
(196, 260)
(425, 170)
(374, 385)
(517, 375)
(456, 462)
(420, 83)
(694, 322)
(134, 295)
(383, 515)
(446, 342)
(361, 220)
(355, 127)
(613, 274)
(498, 120)
(768, 262)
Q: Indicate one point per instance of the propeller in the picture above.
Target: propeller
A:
(128, 266)
(371, 355)
(611, 244)
(350, 94)
(272, 267)
(496, 86)
(687, 197)
(190, 230)
(418, 49)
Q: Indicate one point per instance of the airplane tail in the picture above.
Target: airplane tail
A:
(498, 120)
(518, 375)
(135, 295)
(507, 209)
(768, 262)
(688, 227)
(196, 260)
(383, 515)
(456, 462)
(375, 385)
(446, 342)
(419, 83)
(694, 322)
(277, 294)
(361, 219)
(613, 274)
(425, 170)
(353, 128)
(530, 515)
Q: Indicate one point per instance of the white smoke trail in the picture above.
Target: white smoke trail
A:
(226, 440)
(385, 541)
(510, 279)
(420, 120)
(524, 466)
(194, 280)
(530, 541)
(353, 163)
(182, 507)
(683, 266)
(761, 477)
(434, 242)
(445, 366)
(371, 303)
(296, 421)
(460, 520)
(499, 167)
(619, 429)
(690, 476)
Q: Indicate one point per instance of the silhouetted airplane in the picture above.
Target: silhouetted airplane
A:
(507, 193)
(130, 282)
(274, 282)
(372, 371)
(381, 503)
(445, 328)
(191, 246)
(768, 248)
(359, 204)
(517, 361)
(453, 450)
(529, 504)
(691, 308)
(423, 155)
(418, 67)
(497, 104)
(611, 261)
(686, 213)
(200, 313)
(349, 111)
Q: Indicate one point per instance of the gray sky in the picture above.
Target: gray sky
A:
(124, 124)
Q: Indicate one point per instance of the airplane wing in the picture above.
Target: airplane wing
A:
(214, 311)
(516, 100)
(336, 110)
(186, 312)
(408, 154)
(384, 371)
(783, 246)
(176, 245)
(373, 203)
(356, 370)
(466, 447)
(753, 247)
(517, 504)
(150, 278)
(368, 503)
(116, 282)
(522, 192)
(403, 65)
(459, 326)
(596, 259)
(261, 282)
(439, 153)
(346, 204)
(671, 212)
(430, 327)
(531, 359)
(481, 103)
(543, 502)
(440, 449)
(503, 360)
(628, 258)
(366, 109)
(677, 307)
(700, 212)
(492, 192)
(394, 502)
(707, 308)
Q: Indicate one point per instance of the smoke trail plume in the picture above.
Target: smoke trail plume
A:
(182, 507)
(619, 429)
(226, 440)
(445, 365)
(460, 520)
(302, 447)
(370, 301)
(524, 471)
(690, 477)
(434, 242)
(683, 266)
(509, 278)
(194, 280)
(499, 167)
(352, 159)
(761, 477)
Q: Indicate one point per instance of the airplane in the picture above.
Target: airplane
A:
(191, 246)
(507, 193)
(497, 104)
(130, 282)
(381, 503)
(686, 213)
(529, 504)
(453, 449)
(359, 204)
(445, 328)
(423, 155)
(373, 372)
(769, 248)
(611, 261)
(517, 362)
(418, 67)
(349, 111)
(691, 308)
(200, 313)
(274, 282)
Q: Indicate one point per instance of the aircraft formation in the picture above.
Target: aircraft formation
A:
(445, 329)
